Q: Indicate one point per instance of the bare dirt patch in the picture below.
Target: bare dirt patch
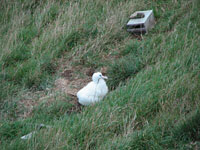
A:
(70, 81)
(27, 103)
(28, 106)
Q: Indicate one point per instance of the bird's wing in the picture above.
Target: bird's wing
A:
(89, 89)
(87, 94)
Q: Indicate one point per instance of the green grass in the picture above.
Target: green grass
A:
(155, 79)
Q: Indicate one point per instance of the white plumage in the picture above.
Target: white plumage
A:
(93, 91)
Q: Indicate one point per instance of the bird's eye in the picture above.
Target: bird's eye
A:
(100, 75)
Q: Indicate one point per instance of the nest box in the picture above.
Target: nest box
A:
(140, 22)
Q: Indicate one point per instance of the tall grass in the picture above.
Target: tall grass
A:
(155, 79)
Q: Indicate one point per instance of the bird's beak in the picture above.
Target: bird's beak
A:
(104, 77)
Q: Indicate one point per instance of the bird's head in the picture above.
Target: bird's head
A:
(97, 76)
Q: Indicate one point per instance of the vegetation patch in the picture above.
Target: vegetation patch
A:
(49, 50)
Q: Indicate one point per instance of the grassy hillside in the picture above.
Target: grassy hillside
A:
(154, 79)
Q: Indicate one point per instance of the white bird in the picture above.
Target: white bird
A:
(93, 91)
